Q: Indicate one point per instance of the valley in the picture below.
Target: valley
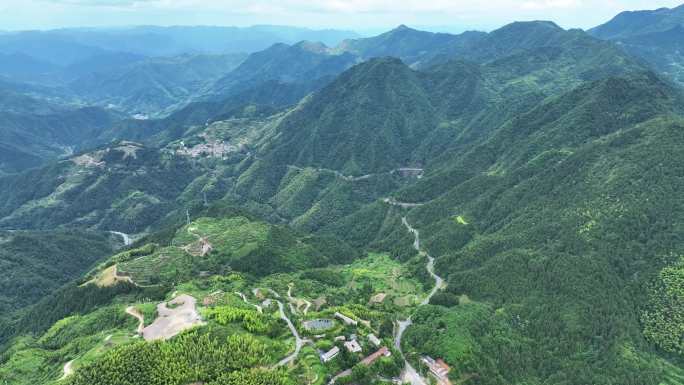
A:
(483, 208)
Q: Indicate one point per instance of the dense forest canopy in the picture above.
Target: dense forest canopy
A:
(484, 208)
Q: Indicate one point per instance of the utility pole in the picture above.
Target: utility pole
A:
(187, 215)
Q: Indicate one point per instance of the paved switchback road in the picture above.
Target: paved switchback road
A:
(299, 342)
(409, 373)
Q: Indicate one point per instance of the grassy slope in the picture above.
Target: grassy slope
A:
(124, 192)
(235, 242)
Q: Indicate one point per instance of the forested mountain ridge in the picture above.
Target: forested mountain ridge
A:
(367, 120)
(344, 122)
(37, 263)
(34, 131)
(654, 36)
(281, 75)
(415, 48)
(148, 70)
(633, 23)
(541, 278)
(303, 62)
(68, 46)
(153, 86)
(399, 117)
(537, 166)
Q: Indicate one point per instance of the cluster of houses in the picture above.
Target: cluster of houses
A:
(352, 343)
(353, 346)
(437, 367)
(215, 148)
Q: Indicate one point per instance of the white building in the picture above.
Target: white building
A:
(374, 340)
(346, 319)
(330, 354)
(352, 346)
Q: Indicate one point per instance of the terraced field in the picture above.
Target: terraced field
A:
(230, 238)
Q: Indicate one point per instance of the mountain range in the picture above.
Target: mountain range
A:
(493, 208)
(654, 36)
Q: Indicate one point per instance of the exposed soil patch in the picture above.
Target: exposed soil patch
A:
(68, 369)
(89, 160)
(181, 316)
(109, 277)
(200, 248)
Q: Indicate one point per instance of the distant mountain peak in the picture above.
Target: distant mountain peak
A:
(372, 71)
(632, 23)
(275, 47)
(404, 29)
(533, 24)
(312, 46)
(679, 8)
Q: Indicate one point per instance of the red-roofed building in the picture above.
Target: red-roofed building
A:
(368, 361)
(439, 369)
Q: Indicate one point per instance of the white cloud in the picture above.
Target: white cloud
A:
(357, 14)
(551, 4)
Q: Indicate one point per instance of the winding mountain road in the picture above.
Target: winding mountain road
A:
(298, 301)
(404, 205)
(402, 170)
(409, 373)
(244, 299)
(299, 342)
(125, 237)
(141, 320)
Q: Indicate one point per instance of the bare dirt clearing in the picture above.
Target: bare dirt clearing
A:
(68, 369)
(180, 316)
(201, 247)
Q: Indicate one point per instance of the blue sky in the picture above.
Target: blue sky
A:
(360, 15)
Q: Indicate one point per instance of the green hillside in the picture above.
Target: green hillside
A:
(212, 246)
(34, 132)
(654, 36)
(124, 188)
(37, 263)
(154, 87)
(633, 23)
(372, 116)
(507, 202)
(558, 219)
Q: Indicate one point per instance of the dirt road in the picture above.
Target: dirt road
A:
(125, 237)
(137, 314)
